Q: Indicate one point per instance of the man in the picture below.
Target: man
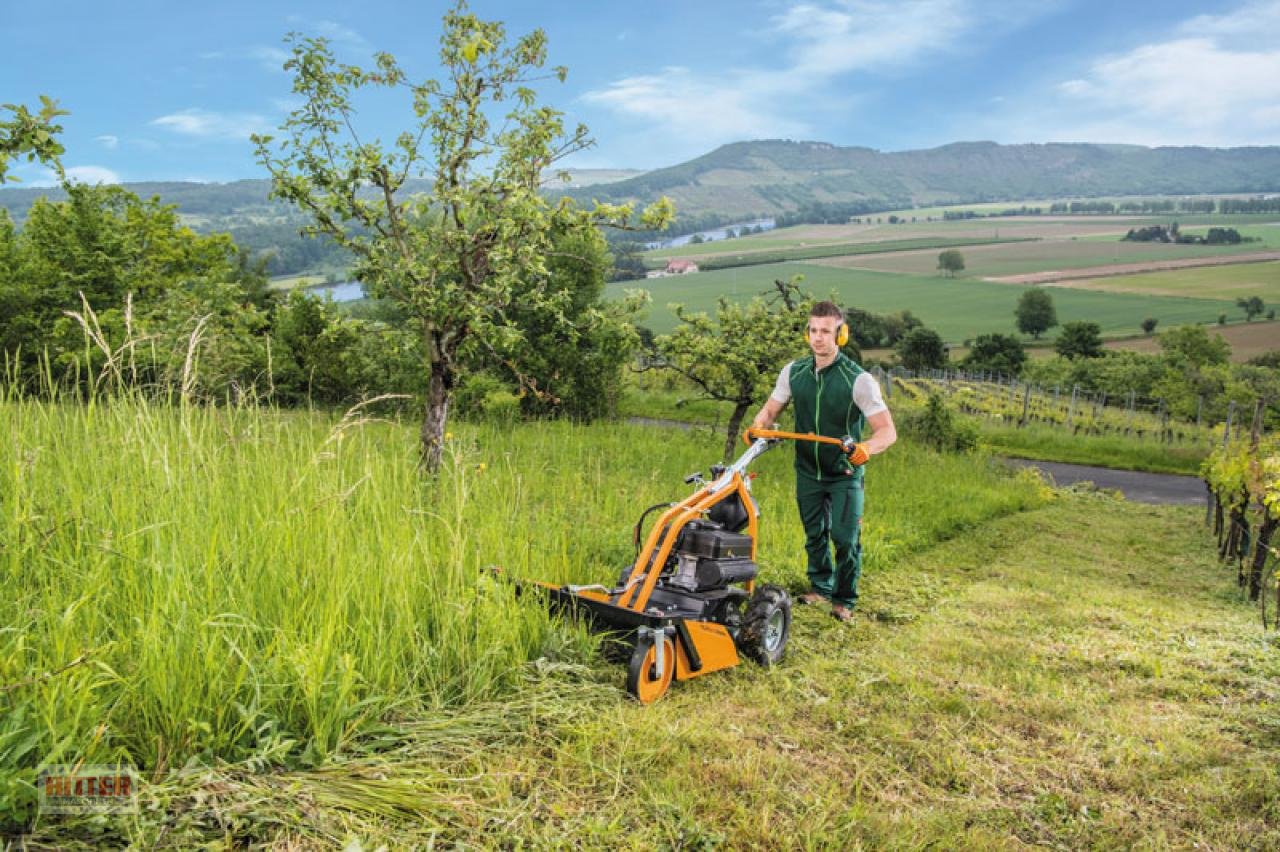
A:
(834, 397)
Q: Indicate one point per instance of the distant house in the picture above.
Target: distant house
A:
(673, 267)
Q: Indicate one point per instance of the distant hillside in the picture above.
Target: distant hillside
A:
(810, 181)
(771, 177)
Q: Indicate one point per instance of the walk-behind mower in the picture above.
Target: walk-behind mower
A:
(689, 605)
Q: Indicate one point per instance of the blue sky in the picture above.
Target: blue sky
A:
(170, 91)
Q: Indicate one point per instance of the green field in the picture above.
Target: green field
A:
(1229, 281)
(958, 309)
(837, 250)
(1024, 258)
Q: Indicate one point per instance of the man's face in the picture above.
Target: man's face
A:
(822, 335)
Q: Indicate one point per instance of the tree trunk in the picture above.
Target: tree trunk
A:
(439, 395)
(1261, 551)
(735, 426)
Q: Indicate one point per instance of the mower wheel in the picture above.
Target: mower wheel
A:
(766, 625)
(643, 681)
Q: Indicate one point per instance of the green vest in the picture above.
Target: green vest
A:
(823, 403)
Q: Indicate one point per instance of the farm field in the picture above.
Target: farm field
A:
(994, 261)
(1247, 339)
(1226, 281)
(956, 308)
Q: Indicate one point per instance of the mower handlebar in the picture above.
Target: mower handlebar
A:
(856, 451)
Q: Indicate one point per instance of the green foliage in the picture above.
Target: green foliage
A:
(938, 427)
(1000, 353)
(1035, 313)
(922, 349)
(1252, 306)
(950, 262)
(456, 256)
(575, 345)
(1079, 339)
(1192, 344)
(1149, 324)
(736, 357)
(33, 135)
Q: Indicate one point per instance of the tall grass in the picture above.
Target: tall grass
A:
(246, 584)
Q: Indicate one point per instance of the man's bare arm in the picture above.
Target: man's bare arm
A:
(883, 433)
(768, 414)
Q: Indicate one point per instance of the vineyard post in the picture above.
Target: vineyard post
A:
(1056, 393)
(1255, 428)
(1164, 424)
(1199, 409)
(1226, 430)
(1071, 411)
(1026, 400)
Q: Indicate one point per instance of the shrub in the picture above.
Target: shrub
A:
(937, 427)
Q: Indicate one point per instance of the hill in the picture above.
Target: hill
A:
(772, 177)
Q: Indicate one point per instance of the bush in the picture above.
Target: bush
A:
(937, 427)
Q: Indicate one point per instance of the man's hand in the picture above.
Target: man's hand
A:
(857, 453)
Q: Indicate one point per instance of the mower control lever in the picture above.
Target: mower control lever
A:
(695, 478)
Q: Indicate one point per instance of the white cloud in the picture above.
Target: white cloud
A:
(92, 174)
(813, 46)
(108, 141)
(271, 58)
(213, 125)
(1217, 82)
(689, 107)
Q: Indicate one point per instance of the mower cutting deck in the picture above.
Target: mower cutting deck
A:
(689, 605)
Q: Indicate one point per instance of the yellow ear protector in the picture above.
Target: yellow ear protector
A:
(842, 334)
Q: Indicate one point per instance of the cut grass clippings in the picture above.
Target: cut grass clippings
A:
(1022, 685)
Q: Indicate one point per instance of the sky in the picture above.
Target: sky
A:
(172, 91)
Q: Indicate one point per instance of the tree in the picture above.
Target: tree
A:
(456, 255)
(922, 349)
(1080, 339)
(1252, 307)
(1035, 313)
(950, 262)
(1149, 324)
(32, 135)
(736, 357)
(576, 343)
(1000, 353)
(1192, 344)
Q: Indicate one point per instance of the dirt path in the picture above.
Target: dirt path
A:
(1132, 268)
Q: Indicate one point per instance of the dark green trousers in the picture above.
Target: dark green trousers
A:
(831, 511)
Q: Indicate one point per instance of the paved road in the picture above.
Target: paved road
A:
(1136, 486)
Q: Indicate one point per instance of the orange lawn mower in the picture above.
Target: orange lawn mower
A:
(689, 605)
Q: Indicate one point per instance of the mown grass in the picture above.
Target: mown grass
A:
(1230, 281)
(197, 586)
(1027, 685)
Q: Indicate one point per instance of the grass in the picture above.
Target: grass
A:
(1232, 281)
(1046, 443)
(725, 260)
(195, 587)
(1025, 685)
(994, 261)
(956, 309)
(290, 282)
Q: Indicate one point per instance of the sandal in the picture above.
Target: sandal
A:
(842, 614)
(809, 599)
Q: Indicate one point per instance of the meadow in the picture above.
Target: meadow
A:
(245, 586)
(1247, 340)
(958, 309)
(1229, 281)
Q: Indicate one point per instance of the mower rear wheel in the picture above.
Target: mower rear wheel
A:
(643, 681)
(766, 625)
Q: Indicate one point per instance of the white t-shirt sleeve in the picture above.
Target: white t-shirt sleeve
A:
(782, 387)
(866, 395)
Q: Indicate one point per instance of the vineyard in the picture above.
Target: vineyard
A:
(1244, 509)
(1078, 411)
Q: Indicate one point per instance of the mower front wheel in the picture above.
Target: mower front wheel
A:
(645, 683)
(766, 625)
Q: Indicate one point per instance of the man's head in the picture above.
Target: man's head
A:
(826, 322)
